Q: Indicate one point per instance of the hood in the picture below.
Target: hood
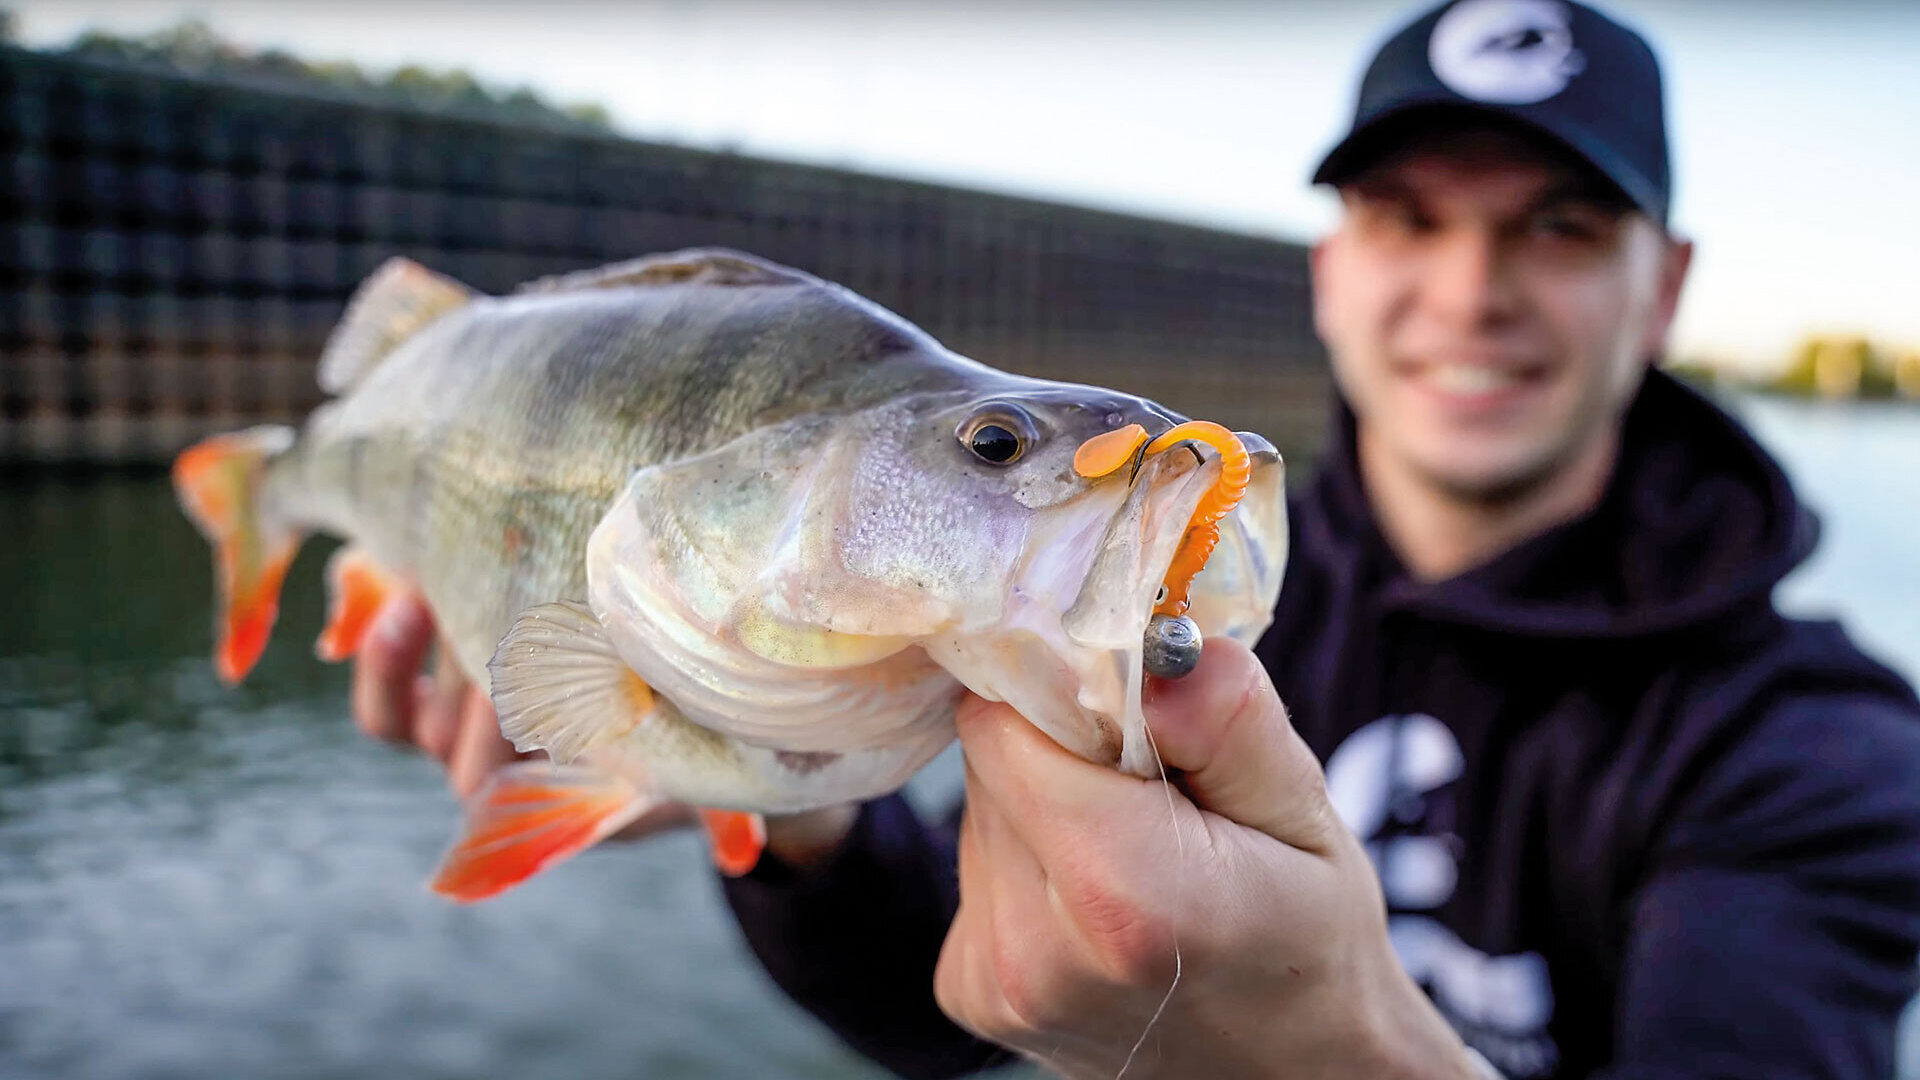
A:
(1697, 523)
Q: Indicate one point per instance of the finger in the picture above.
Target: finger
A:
(1006, 875)
(962, 986)
(1029, 927)
(997, 840)
(1061, 806)
(478, 748)
(1225, 729)
(436, 729)
(971, 977)
(383, 675)
(1009, 971)
(963, 983)
(436, 719)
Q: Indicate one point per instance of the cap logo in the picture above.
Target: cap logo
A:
(1505, 52)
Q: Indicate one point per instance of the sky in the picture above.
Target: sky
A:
(1795, 127)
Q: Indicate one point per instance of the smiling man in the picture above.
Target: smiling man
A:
(1556, 791)
(1609, 810)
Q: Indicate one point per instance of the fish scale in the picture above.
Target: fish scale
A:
(485, 435)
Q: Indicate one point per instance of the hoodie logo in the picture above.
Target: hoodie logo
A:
(1389, 782)
(1505, 52)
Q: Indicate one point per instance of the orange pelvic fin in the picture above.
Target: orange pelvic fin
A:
(738, 839)
(218, 483)
(530, 816)
(358, 588)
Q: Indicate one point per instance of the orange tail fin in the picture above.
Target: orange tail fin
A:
(527, 818)
(359, 587)
(738, 838)
(218, 484)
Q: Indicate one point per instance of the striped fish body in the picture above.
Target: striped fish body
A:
(711, 530)
(477, 457)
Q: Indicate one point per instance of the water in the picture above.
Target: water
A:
(197, 881)
(1858, 465)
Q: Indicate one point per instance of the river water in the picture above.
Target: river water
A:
(202, 882)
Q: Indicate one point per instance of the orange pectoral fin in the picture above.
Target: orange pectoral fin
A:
(738, 839)
(359, 588)
(529, 817)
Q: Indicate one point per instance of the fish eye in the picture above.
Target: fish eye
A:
(991, 442)
(997, 435)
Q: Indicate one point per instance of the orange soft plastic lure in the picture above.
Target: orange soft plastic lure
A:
(1106, 453)
(1203, 529)
(1103, 454)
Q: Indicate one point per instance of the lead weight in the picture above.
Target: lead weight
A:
(1172, 646)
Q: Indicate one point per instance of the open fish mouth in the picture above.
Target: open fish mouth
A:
(1129, 568)
(1067, 653)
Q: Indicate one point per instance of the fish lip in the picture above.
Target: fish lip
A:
(1262, 451)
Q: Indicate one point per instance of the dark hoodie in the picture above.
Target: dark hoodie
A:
(1630, 821)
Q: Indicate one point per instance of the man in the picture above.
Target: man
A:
(1626, 820)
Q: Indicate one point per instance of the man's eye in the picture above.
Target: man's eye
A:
(1401, 218)
(1411, 219)
(1561, 225)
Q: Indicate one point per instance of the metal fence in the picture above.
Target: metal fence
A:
(173, 252)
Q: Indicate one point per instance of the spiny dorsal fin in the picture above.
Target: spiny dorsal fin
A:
(394, 303)
(559, 686)
(693, 266)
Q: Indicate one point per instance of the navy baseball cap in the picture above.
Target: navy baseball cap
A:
(1556, 68)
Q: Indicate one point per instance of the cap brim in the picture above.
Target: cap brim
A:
(1372, 140)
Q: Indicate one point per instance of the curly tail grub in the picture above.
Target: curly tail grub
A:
(1203, 530)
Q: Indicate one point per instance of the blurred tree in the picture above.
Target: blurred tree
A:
(1906, 374)
(1838, 366)
(192, 47)
(8, 27)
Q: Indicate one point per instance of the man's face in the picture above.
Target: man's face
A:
(1489, 309)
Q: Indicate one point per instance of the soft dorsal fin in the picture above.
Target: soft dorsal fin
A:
(394, 303)
(693, 266)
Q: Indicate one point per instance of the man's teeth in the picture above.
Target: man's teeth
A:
(1468, 379)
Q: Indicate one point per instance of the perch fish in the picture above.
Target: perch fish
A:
(713, 530)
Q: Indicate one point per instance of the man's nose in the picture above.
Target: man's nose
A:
(1470, 279)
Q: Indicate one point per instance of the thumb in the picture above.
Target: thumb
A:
(1224, 728)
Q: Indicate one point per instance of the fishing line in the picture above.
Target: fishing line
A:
(1179, 891)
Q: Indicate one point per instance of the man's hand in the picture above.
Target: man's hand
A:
(443, 714)
(449, 717)
(1078, 882)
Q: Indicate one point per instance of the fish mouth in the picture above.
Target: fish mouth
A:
(1107, 622)
(1130, 562)
(1066, 652)
(1066, 649)
(1125, 580)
